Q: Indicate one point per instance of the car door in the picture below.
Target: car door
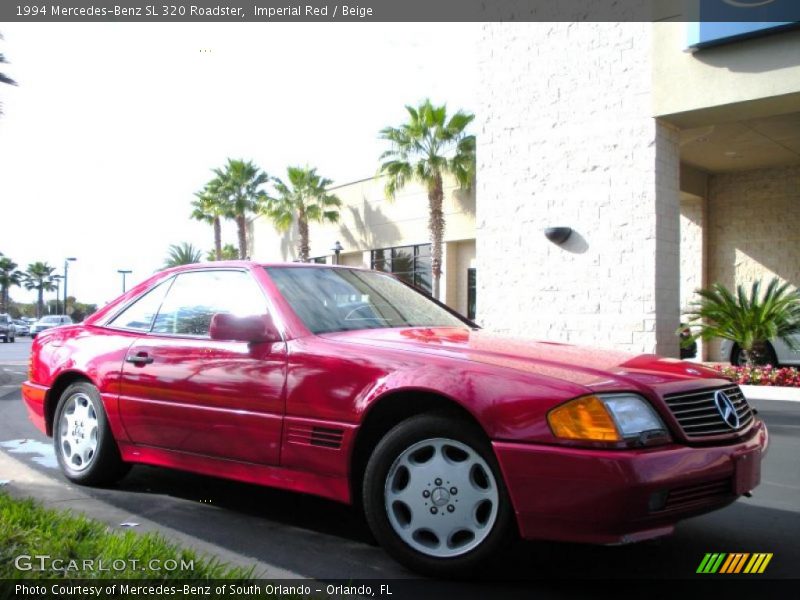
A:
(182, 391)
(786, 354)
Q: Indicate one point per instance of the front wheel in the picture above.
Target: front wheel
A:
(84, 445)
(434, 496)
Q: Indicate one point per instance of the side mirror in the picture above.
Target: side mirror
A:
(252, 329)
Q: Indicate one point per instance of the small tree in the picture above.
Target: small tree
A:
(302, 200)
(749, 321)
(3, 77)
(210, 206)
(227, 252)
(9, 276)
(240, 185)
(182, 254)
(39, 276)
(424, 149)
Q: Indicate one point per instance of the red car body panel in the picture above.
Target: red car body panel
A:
(288, 414)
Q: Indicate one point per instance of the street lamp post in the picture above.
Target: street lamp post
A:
(57, 279)
(124, 272)
(337, 249)
(66, 272)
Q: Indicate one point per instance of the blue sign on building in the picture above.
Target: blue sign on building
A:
(722, 21)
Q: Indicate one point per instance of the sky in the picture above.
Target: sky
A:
(114, 126)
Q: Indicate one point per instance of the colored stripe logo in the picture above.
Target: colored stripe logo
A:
(734, 563)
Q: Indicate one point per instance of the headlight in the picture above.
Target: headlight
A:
(607, 418)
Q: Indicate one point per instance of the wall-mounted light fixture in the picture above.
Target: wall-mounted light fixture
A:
(558, 235)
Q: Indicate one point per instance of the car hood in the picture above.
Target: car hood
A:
(597, 369)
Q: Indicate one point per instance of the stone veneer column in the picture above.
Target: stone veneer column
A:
(566, 137)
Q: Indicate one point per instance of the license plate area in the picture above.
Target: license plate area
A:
(747, 472)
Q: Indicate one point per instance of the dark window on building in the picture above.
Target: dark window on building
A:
(412, 264)
(319, 260)
(471, 293)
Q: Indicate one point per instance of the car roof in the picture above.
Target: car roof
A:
(250, 264)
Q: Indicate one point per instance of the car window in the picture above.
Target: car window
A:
(139, 315)
(330, 300)
(197, 295)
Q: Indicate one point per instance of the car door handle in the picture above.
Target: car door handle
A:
(139, 359)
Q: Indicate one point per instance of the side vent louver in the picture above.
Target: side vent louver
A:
(327, 437)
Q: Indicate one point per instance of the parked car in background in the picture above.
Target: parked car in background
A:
(48, 322)
(777, 352)
(22, 327)
(7, 330)
(354, 386)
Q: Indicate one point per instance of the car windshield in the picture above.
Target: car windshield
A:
(329, 300)
(50, 320)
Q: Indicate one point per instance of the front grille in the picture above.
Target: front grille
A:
(698, 416)
(700, 494)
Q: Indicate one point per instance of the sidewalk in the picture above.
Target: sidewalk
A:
(27, 482)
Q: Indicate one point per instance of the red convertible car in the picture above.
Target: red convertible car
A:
(349, 384)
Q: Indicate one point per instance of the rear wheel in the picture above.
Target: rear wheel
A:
(434, 496)
(85, 448)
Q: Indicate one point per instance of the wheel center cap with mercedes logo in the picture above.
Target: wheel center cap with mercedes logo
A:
(726, 409)
(440, 496)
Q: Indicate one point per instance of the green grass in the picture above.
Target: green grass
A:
(28, 529)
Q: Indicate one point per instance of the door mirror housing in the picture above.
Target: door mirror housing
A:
(253, 329)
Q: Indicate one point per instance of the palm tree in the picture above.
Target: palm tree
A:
(240, 184)
(425, 148)
(3, 77)
(9, 276)
(210, 207)
(182, 254)
(303, 200)
(227, 252)
(749, 321)
(39, 276)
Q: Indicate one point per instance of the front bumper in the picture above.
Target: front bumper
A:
(620, 496)
(35, 397)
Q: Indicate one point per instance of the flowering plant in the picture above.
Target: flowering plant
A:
(761, 375)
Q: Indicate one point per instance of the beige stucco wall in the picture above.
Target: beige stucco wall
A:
(752, 228)
(745, 79)
(552, 151)
(460, 256)
(369, 221)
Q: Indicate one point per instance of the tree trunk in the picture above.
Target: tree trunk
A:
(302, 241)
(40, 303)
(4, 299)
(241, 224)
(217, 238)
(436, 227)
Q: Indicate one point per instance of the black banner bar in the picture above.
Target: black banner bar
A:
(266, 11)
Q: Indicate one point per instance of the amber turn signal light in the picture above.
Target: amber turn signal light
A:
(584, 418)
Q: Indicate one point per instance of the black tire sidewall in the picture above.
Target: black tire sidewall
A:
(396, 441)
(106, 466)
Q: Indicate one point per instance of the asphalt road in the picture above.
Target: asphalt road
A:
(324, 540)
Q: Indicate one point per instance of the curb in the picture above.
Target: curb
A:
(25, 482)
(769, 392)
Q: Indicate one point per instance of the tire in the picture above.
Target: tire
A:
(769, 357)
(432, 467)
(84, 445)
